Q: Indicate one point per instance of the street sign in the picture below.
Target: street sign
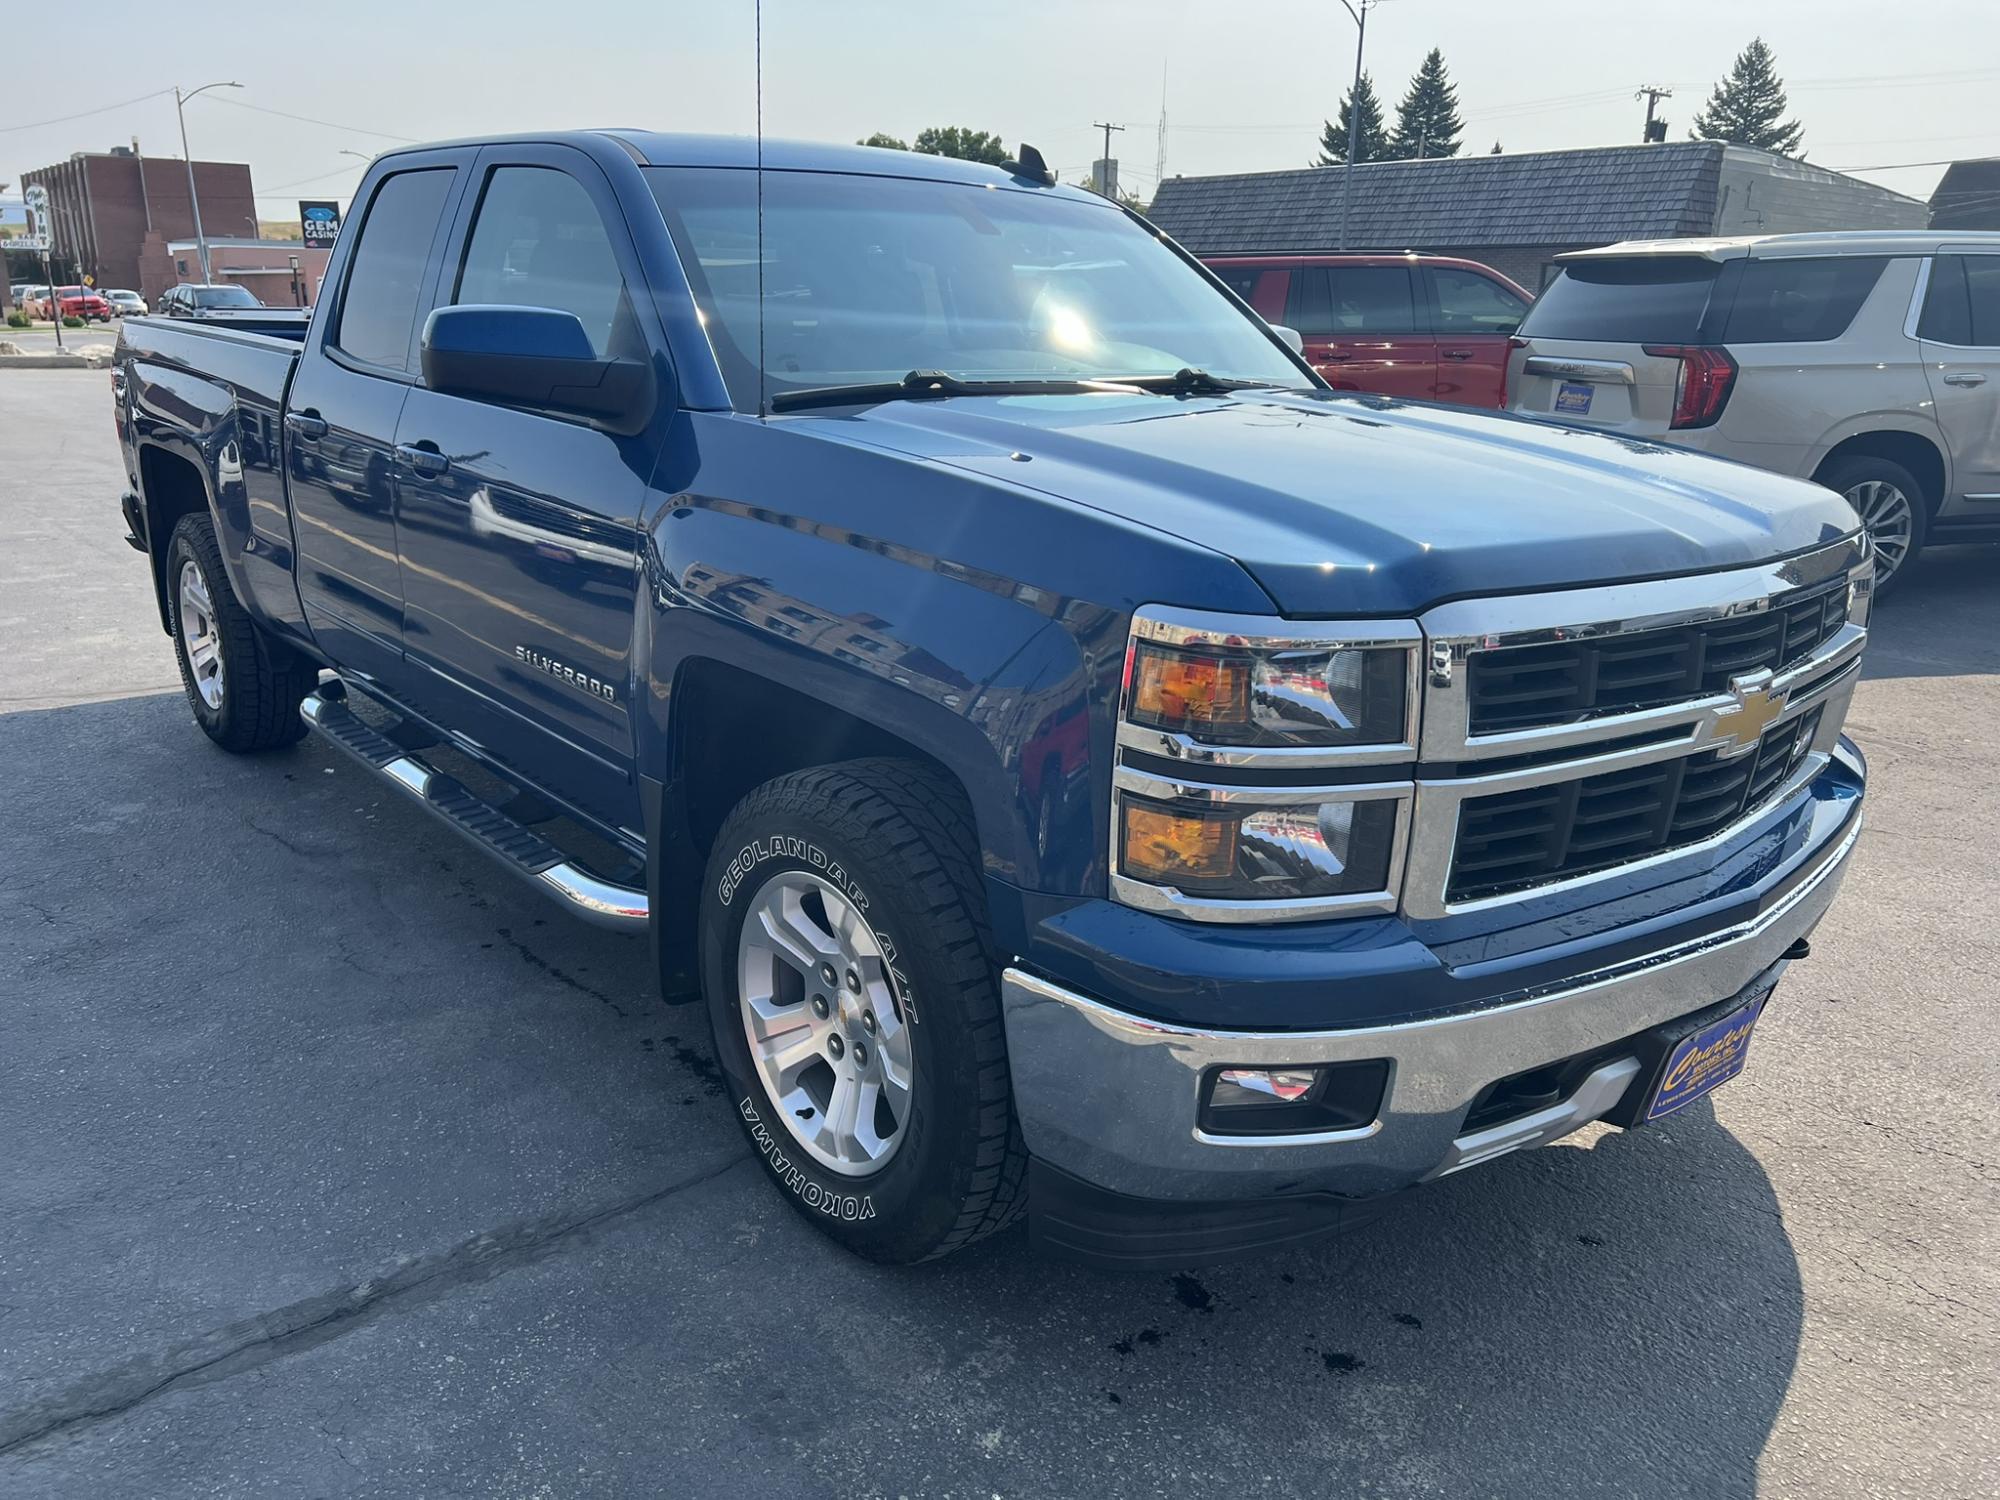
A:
(36, 199)
(320, 220)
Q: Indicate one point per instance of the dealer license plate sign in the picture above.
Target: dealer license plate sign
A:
(1705, 1061)
(1573, 398)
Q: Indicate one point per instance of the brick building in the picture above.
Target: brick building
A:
(264, 266)
(116, 212)
(1517, 213)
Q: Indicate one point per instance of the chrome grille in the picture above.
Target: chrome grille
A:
(1564, 682)
(1524, 838)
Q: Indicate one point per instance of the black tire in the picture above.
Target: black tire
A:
(1849, 477)
(898, 840)
(263, 681)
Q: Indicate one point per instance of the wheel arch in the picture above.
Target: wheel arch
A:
(171, 487)
(1914, 451)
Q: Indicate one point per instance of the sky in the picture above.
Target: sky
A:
(1886, 91)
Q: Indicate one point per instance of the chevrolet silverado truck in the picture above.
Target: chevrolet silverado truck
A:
(1085, 767)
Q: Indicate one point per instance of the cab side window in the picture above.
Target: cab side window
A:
(378, 306)
(1470, 303)
(538, 242)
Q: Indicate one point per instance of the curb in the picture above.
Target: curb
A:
(52, 362)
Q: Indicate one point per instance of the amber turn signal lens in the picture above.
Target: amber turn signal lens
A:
(1168, 846)
(1170, 690)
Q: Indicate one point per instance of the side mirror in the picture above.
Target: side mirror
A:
(537, 357)
(1291, 338)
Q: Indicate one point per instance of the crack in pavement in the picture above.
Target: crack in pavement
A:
(306, 1324)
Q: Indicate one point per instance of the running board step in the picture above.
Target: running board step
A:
(521, 849)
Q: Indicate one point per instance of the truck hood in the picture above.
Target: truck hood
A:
(1359, 505)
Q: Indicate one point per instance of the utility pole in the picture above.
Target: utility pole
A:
(1653, 94)
(194, 201)
(1358, 9)
(1104, 183)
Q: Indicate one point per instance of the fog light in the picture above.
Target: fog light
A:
(1236, 1086)
(1293, 1101)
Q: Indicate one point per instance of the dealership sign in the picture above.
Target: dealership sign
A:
(321, 221)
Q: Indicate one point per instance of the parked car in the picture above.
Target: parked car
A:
(1428, 326)
(1868, 361)
(81, 303)
(192, 299)
(1084, 765)
(126, 304)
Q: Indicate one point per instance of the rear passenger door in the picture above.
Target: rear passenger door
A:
(1474, 317)
(1362, 328)
(519, 528)
(1959, 329)
(341, 414)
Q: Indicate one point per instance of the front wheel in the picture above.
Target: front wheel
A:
(1890, 503)
(856, 1009)
(243, 687)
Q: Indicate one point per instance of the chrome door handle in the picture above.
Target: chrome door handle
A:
(304, 425)
(1458, 354)
(1965, 377)
(426, 461)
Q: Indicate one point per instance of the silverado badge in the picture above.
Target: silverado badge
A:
(583, 682)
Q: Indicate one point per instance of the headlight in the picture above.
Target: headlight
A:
(1196, 688)
(1289, 853)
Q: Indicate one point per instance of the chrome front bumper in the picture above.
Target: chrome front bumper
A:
(1112, 1097)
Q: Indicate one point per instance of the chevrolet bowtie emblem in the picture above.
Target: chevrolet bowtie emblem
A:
(1738, 726)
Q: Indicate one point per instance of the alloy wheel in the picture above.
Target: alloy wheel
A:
(1891, 521)
(828, 1034)
(201, 638)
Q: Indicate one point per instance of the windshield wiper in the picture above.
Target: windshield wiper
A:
(924, 385)
(1188, 382)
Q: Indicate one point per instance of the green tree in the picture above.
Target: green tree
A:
(880, 138)
(958, 141)
(1747, 108)
(1427, 122)
(1372, 142)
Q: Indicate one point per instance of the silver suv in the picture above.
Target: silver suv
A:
(1869, 361)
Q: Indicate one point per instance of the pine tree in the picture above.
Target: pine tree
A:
(1427, 122)
(1372, 143)
(1747, 107)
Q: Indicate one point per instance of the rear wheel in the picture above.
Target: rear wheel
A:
(243, 687)
(1891, 505)
(856, 1008)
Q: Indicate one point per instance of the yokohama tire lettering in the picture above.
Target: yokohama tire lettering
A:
(851, 1207)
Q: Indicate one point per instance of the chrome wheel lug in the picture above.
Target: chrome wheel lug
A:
(854, 980)
(860, 1054)
(827, 976)
(834, 1047)
(820, 1007)
(868, 1020)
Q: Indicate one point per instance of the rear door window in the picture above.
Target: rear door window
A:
(1373, 299)
(378, 308)
(1309, 303)
(1801, 301)
(1653, 299)
(1982, 286)
(1467, 302)
(1962, 306)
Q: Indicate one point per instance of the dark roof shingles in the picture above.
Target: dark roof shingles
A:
(1547, 198)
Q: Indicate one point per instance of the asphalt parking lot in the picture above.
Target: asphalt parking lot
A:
(332, 1162)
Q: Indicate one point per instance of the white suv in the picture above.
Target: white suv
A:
(1869, 361)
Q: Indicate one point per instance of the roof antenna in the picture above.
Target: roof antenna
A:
(763, 402)
(1031, 166)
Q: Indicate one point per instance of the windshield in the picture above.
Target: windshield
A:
(225, 296)
(869, 278)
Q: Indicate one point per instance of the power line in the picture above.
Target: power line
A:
(84, 113)
(310, 120)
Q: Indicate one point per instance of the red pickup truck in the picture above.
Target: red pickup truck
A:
(1427, 326)
(79, 302)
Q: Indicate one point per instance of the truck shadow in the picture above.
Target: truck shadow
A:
(1944, 621)
(1627, 1317)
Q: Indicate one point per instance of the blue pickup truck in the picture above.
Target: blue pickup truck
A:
(1086, 768)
